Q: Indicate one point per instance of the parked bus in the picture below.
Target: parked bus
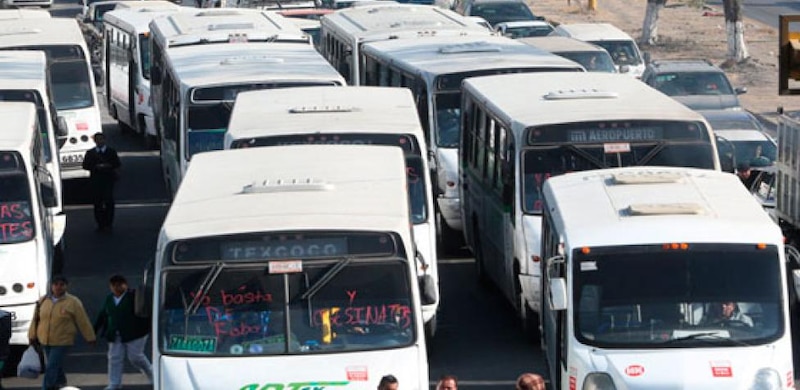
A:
(343, 32)
(663, 278)
(208, 26)
(200, 83)
(349, 116)
(71, 80)
(23, 13)
(23, 78)
(519, 130)
(433, 69)
(26, 228)
(127, 68)
(293, 262)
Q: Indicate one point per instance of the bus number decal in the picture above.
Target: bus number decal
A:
(313, 385)
(193, 344)
(15, 221)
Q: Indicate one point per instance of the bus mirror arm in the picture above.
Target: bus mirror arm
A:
(142, 299)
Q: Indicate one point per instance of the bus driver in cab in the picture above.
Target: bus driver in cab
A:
(728, 313)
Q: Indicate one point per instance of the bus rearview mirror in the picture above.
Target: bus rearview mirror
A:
(427, 289)
(62, 130)
(558, 294)
(796, 283)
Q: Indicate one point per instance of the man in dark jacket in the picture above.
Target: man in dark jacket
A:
(103, 164)
(126, 333)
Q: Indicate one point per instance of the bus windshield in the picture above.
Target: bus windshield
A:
(32, 96)
(706, 295)
(448, 119)
(623, 52)
(16, 219)
(71, 85)
(144, 54)
(416, 174)
(572, 147)
(336, 305)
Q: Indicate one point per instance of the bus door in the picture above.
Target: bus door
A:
(554, 318)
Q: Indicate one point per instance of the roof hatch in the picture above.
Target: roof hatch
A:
(640, 209)
(586, 93)
(647, 177)
(281, 185)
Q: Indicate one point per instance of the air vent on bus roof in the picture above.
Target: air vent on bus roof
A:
(241, 60)
(231, 26)
(663, 209)
(592, 93)
(646, 177)
(218, 13)
(474, 47)
(280, 185)
(319, 109)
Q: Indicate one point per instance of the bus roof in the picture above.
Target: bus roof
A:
(17, 115)
(654, 205)
(250, 62)
(24, 70)
(446, 55)
(534, 99)
(320, 187)
(137, 19)
(147, 4)
(33, 32)
(211, 25)
(375, 20)
(376, 110)
(23, 13)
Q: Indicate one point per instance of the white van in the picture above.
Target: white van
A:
(26, 232)
(662, 278)
(295, 270)
(592, 57)
(622, 48)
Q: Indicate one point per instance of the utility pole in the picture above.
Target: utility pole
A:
(592, 5)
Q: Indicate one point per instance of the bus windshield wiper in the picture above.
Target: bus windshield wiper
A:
(709, 337)
(202, 289)
(332, 272)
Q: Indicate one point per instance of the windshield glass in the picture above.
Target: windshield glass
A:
(622, 52)
(32, 96)
(593, 62)
(528, 31)
(144, 53)
(16, 220)
(448, 119)
(502, 12)
(71, 85)
(732, 124)
(360, 305)
(693, 83)
(756, 153)
(706, 295)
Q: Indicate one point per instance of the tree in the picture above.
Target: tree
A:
(650, 26)
(734, 28)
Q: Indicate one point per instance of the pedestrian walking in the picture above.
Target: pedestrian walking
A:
(530, 381)
(5, 338)
(103, 165)
(388, 382)
(57, 319)
(447, 382)
(126, 333)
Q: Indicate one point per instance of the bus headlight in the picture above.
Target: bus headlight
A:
(766, 379)
(598, 381)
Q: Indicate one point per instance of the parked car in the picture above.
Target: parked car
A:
(698, 84)
(592, 57)
(622, 48)
(524, 28)
(495, 11)
(750, 142)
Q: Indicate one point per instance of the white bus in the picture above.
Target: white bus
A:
(519, 130)
(199, 85)
(662, 278)
(23, 13)
(433, 69)
(343, 32)
(71, 79)
(23, 78)
(26, 234)
(289, 271)
(127, 68)
(349, 116)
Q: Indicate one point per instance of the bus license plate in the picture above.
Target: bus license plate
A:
(72, 159)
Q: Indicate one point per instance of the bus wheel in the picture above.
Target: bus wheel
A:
(528, 318)
(58, 259)
(480, 268)
(430, 328)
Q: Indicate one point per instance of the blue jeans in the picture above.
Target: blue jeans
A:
(54, 369)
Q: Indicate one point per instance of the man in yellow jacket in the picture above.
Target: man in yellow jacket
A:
(59, 316)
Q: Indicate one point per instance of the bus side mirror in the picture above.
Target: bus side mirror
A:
(624, 69)
(558, 294)
(48, 194)
(62, 129)
(155, 75)
(143, 296)
(427, 289)
(726, 152)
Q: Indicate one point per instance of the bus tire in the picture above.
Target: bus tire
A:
(430, 328)
(480, 267)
